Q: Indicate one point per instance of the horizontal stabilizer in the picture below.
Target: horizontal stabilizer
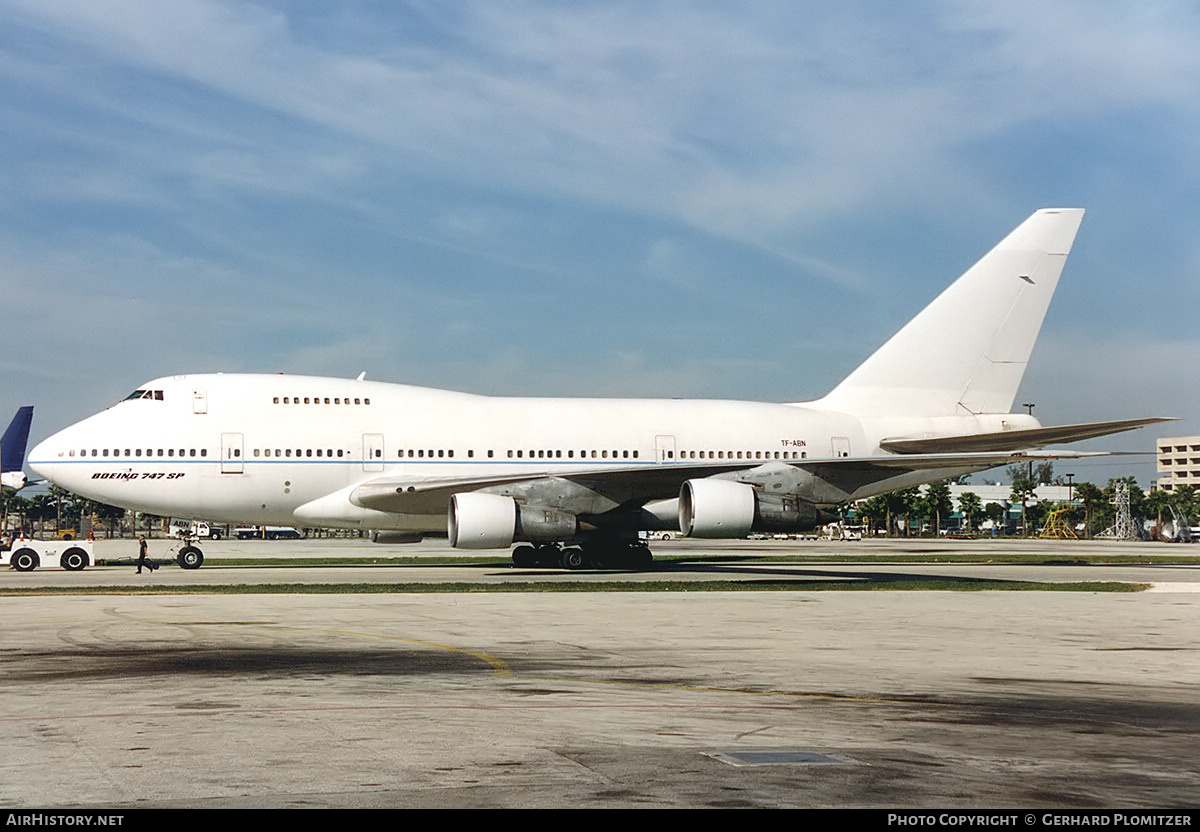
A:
(1012, 440)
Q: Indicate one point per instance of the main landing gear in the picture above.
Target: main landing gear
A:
(607, 555)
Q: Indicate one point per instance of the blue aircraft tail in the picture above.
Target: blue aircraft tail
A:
(15, 439)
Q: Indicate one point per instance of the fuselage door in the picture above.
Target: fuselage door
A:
(372, 452)
(841, 446)
(231, 454)
(664, 449)
(199, 400)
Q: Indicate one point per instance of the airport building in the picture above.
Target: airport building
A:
(1178, 462)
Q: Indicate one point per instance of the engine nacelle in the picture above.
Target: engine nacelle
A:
(492, 521)
(726, 509)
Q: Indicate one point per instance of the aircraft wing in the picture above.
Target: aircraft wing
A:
(637, 484)
(1010, 440)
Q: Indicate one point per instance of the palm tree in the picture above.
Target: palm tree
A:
(1023, 487)
(1092, 498)
(971, 507)
(938, 503)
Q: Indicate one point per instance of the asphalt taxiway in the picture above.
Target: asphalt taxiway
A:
(553, 699)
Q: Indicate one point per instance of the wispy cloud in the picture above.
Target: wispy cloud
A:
(470, 177)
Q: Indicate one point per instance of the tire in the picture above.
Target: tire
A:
(640, 557)
(24, 560)
(190, 557)
(74, 559)
(524, 557)
(573, 558)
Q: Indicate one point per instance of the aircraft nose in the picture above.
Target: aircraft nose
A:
(41, 458)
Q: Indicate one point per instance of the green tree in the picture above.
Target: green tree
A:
(108, 515)
(17, 505)
(1187, 500)
(900, 504)
(1093, 500)
(41, 508)
(937, 504)
(1023, 487)
(1037, 514)
(971, 507)
(873, 510)
(998, 514)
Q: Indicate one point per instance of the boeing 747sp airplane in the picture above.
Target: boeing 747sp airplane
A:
(576, 479)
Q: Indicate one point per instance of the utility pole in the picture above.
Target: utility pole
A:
(1030, 406)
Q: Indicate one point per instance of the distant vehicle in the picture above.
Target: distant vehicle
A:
(668, 535)
(960, 534)
(267, 533)
(27, 555)
(193, 528)
(848, 533)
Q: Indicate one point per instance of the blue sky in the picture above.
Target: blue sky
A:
(643, 199)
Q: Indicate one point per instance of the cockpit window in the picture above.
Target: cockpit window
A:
(157, 395)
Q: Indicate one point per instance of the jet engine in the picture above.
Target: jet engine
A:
(492, 521)
(723, 508)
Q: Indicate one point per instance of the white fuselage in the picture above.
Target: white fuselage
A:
(255, 449)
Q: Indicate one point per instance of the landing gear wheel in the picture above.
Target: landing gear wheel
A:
(190, 557)
(24, 560)
(640, 556)
(73, 559)
(573, 558)
(525, 557)
(549, 556)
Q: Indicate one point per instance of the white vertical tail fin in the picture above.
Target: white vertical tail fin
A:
(966, 352)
